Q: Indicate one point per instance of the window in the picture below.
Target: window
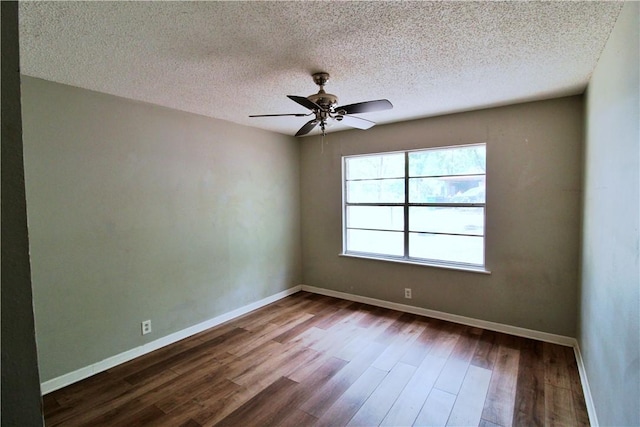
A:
(425, 206)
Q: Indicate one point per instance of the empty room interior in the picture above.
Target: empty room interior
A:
(472, 259)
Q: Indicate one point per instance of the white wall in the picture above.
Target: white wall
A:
(139, 212)
(609, 325)
(533, 216)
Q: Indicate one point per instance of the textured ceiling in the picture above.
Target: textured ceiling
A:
(231, 59)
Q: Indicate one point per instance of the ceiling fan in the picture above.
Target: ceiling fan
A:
(324, 106)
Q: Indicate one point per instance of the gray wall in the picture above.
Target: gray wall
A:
(139, 212)
(609, 326)
(533, 210)
(21, 403)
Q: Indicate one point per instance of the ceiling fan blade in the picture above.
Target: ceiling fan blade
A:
(308, 127)
(278, 115)
(356, 122)
(365, 107)
(305, 102)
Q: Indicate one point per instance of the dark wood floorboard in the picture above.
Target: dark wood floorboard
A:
(312, 360)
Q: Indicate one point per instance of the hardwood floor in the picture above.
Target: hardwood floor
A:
(315, 360)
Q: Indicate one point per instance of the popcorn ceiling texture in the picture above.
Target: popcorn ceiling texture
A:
(231, 59)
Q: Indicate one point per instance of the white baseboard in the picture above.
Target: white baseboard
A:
(469, 321)
(82, 373)
(586, 390)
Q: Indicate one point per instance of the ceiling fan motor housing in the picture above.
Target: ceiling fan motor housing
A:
(323, 99)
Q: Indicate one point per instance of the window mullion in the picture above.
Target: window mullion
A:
(406, 205)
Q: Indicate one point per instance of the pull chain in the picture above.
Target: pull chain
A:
(323, 135)
(322, 143)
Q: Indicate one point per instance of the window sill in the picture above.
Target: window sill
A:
(470, 269)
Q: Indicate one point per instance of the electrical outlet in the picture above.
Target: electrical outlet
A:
(146, 327)
(407, 293)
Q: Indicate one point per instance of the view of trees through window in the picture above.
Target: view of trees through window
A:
(425, 206)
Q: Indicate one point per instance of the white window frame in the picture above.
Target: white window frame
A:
(405, 258)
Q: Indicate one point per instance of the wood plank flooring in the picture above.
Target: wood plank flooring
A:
(311, 360)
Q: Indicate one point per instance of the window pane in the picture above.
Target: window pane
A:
(463, 249)
(377, 242)
(456, 189)
(377, 217)
(450, 180)
(379, 166)
(448, 161)
(376, 191)
(447, 220)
